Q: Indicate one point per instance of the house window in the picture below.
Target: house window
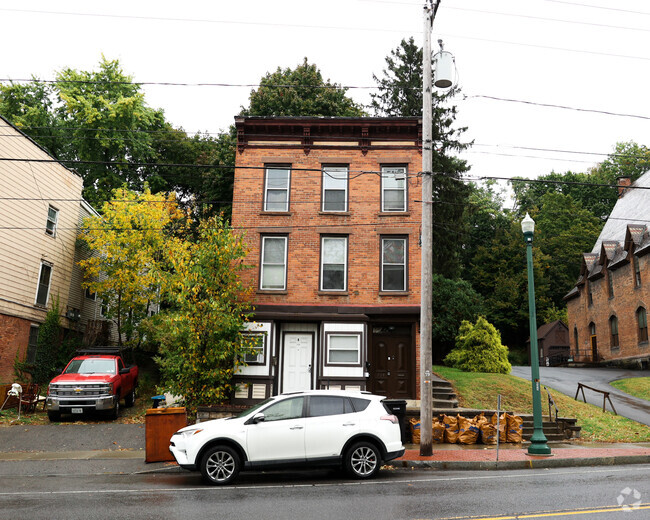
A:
(613, 329)
(642, 320)
(575, 339)
(276, 189)
(590, 293)
(637, 271)
(333, 266)
(90, 295)
(43, 289)
(274, 264)
(393, 264)
(335, 188)
(52, 217)
(393, 188)
(32, 344)
(343, 349)
(610, 284)
(254, 350)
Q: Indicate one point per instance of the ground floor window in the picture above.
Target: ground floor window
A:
(642, 319)
(343, 349)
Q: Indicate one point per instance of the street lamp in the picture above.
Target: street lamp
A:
(538, 444)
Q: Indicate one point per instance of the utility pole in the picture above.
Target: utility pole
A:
(426, 303)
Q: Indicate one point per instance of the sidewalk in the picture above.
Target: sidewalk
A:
(123, 445)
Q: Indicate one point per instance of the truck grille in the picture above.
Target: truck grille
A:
(80, 391)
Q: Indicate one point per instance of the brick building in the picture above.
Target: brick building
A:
(330, 211)
(607, 308)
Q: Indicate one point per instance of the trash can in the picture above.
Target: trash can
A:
(398, 408)
(160, 425)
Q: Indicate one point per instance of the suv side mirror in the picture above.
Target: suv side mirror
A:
(258, 418)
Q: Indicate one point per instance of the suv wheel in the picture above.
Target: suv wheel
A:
(362, 460)
(220, 465)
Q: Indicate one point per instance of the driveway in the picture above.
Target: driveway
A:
(565, 380)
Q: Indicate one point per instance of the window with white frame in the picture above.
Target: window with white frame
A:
(43, 289)
(333, 265)
(254, 348)
(393, 188)
(276, 189)
(343, 349)
(52, 217)
(335, 188)
(393, 264)
(273, 269)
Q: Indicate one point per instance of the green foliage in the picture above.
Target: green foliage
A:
(300, 92)
(200, 335)
(453, 302)
(47, 347)
(130, 243)
(479, 349)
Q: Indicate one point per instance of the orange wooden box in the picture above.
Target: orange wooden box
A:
(160, 425)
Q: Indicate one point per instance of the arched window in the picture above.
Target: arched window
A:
(637, 271)
(613, 332)
(642, 320)
(575, 338)
(594, 342)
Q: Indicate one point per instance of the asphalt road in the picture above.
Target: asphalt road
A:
(581, 493)
(565, 380)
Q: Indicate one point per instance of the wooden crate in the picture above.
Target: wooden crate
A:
(160, 425)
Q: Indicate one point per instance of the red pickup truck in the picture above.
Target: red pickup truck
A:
(96, 379)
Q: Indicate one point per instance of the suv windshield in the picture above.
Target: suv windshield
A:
(91, 366)
(254, 407)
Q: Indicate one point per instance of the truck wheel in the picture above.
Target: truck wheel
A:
(54, 416)
(129, 400)
(220, 465)
(115, 412)
(362, 460)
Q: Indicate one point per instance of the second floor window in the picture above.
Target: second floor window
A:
(334, 257)
(276, 188)
(43, 289)
(642, 319)
(393, 188)
(335, 188)
(610, 284)
(637, 271)
(52, 217)
(273, 273)
(393, 264)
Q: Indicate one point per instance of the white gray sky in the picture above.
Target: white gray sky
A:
(583, 54)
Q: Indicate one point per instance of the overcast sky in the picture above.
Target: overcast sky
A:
(518, 61)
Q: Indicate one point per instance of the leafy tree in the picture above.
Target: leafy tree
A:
(128, 246)
(453, 302)
(400, 94)
(200, 335)
(479, 349)
(300, 92)
(47, 346)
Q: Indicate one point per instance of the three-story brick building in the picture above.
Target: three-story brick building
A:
(331, 212)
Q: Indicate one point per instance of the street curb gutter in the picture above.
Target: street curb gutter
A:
(523, 464)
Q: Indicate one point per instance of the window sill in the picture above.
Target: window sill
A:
(277, 213)
(335, 213)
(395, 293)
(394, 214)
(272, 291)
(333, 293)
(643, 344)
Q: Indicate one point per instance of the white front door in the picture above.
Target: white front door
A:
(296, 370)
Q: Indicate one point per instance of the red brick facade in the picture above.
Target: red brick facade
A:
(359, 148)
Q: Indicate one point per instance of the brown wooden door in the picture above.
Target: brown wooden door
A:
(390, 365)
(594, 349)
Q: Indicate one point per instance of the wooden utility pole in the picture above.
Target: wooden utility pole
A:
(426, 303)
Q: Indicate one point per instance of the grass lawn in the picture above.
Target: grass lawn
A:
(636, 386)
(478, 390)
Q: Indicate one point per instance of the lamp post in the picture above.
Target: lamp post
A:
(538, 444)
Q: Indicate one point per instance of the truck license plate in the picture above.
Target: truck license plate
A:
(77, 410)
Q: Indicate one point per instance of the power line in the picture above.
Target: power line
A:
(577, 4)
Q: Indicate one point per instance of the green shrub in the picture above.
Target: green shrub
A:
(479, 349)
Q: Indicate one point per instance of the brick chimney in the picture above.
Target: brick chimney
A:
(623, 183)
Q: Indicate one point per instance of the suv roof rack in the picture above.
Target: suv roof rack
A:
(90, 351)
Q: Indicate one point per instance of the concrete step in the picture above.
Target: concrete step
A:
(444, 404)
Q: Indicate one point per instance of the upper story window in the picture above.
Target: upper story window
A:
(276, 188)
(333, 265)
(642, 320)
(613, 329)
(393, 264)
(335, 188)
(43, 290)
(590, 294)
(637, 271)
(393, 188)
(52, 217)
(273, 268)
(610, 283)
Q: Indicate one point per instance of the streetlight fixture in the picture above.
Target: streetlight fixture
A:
(538, 444)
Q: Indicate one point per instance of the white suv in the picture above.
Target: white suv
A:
(315, 428)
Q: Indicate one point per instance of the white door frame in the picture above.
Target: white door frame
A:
(297, 378)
